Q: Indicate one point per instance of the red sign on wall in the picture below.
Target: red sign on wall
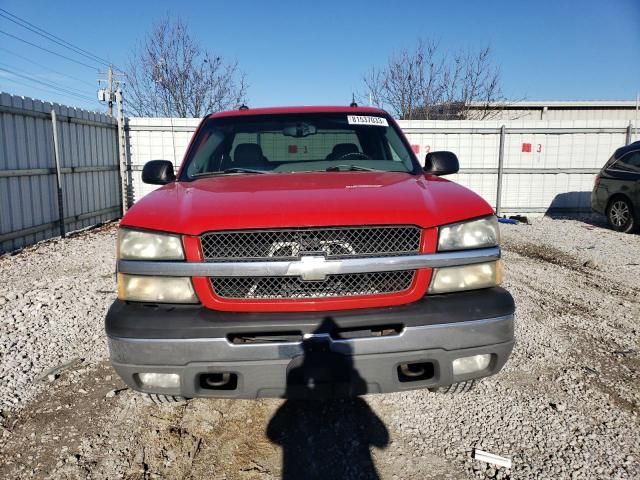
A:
(416, 148)
(526, 148)
(293, 149)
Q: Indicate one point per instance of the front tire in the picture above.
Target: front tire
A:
(455, 388)
(620, 215)
(160, 399)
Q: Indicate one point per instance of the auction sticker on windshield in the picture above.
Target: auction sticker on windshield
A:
(364, 120)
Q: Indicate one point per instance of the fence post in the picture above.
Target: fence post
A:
(629, 129)
(56, 153)
(500, 170)
(125, 184)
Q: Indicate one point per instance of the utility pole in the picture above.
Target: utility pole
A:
(108, 93)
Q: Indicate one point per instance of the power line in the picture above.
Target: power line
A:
(47, 84)
(35, 77)
(42, 89)
(45, 67)
(49, 51)
(51, 37)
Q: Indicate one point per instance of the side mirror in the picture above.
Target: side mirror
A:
(158, 172)
(441, 163)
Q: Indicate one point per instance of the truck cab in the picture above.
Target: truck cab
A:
(305, 251)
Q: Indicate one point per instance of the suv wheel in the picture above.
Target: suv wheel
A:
(620, 215)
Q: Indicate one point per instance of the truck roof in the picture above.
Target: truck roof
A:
(300, 109)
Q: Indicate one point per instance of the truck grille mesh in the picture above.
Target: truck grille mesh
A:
(290, 244)
(343, 285)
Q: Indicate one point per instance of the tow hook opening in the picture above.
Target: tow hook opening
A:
(414, 372)
(365, 332)
(257, 338)
(219, 381)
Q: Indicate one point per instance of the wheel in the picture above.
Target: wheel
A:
(160, 399)
(460, 387)
(620, 215)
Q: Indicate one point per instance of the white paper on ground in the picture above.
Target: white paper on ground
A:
(491, 458)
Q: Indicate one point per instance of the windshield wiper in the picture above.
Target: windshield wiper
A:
(227, 170)
(352, 168)
(242, 170)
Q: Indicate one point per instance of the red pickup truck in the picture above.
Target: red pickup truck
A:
(305, 251)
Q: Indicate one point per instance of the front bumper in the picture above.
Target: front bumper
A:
(327, 353)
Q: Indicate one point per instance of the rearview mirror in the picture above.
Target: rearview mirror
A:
(299, 130)
(441, 163)
(158, 172)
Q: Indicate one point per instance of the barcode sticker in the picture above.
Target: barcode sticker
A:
(364, 120)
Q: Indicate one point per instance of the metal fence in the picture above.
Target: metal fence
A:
(56, 163)
(60, 162)
(527, 166)
(155, 139)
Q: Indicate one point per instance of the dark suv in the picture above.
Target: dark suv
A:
(616, 192)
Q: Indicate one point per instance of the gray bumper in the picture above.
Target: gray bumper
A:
(363, 365)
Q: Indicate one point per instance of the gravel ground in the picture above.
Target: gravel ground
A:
(52, 303)
(565, 406)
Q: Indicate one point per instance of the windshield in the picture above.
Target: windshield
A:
(297, 143)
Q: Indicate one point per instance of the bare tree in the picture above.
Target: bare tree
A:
(170, 74)
(427, 83)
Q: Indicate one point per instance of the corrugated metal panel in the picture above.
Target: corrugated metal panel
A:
(561, 110)
(529, 114)
(87, 145)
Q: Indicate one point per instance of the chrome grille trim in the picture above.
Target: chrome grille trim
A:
(317, 268)
(357, 284)
(292, 243)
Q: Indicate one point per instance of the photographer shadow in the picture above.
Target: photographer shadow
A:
(324, 428)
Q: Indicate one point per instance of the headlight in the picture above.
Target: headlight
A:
(466, 277)
(142, 288)
(137, 245)
(479, 233)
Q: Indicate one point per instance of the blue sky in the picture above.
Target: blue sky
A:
(304, 52)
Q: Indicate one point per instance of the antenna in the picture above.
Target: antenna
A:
(353, 101)
(637, 109)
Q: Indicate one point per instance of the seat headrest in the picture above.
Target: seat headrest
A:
(248, 155)
(341, 149)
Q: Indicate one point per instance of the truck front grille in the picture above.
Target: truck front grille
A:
(290, 244)
(343, 285)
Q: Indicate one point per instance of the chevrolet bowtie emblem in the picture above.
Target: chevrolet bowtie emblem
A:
(313, 268)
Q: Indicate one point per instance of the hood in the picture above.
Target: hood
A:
(235, 202)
